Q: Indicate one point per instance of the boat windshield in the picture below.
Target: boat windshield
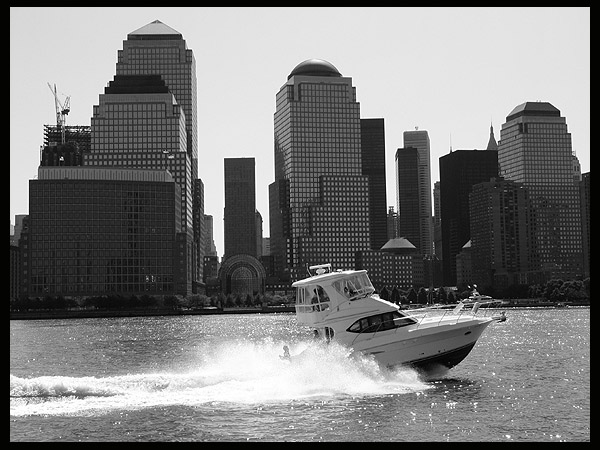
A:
(312, 298)
(354, 287)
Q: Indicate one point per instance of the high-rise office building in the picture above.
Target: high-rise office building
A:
(500, 234)
(584, 192)
(239, 220)
(319, 201)
(419, 139)
(157, 49)
(16, 234)
(492, 144)
(241, 271)
(392, 223)
(138, 124)
(259, 233)
(576, 169)
(104, 231)
(146, 118)
(210, 247)
(407, 196)
(535, 150)
(372, 138)
(437, 221)
(459, 171)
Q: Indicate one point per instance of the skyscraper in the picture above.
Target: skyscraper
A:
(500, 229)
(157, 49)
(459, 171)
(419, 139)
(584, 192)
(407, 196)
(372, 138)
(437, 221)
(319, 201)
(241, 271)
(103, 231)
(492, 144)
(535, 150)
(239, 217)
(146, 118)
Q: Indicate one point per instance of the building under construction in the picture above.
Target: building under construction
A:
(78, 140)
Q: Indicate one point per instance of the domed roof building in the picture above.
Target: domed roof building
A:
(315, 68)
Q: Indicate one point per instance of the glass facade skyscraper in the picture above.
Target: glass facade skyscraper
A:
(372, 138)
(319, 201)
(499, 224)
(146, 118)
(407, 195)
(459, 171)
(103, 231)
(419, 139)
(239, 216)
(535, 150)
(158, 49)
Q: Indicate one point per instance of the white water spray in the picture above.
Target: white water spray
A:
(230, 372)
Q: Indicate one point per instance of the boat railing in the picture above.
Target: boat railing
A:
(384, 325)
(479, 312)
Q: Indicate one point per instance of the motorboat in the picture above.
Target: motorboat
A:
(484, 300)
(342, 306)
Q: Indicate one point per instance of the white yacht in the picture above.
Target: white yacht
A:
(342, 305)
(482, 299)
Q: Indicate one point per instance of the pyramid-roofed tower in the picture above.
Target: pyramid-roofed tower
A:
(398, 245)
(153, 29)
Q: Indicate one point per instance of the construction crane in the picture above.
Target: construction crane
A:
(62, 109)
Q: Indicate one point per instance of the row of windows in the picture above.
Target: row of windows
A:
(148, 51)
(105, 251)
(144, 107)
(157, 127)
(107, 286)
(138, 129)
(58, 268)
(166, 164)
(84, 236)
(143, 156)
(67, 198)
(104, 240)
(48, 207)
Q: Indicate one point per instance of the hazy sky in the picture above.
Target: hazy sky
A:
(451, 71)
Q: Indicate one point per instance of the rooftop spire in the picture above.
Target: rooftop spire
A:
(492, 145)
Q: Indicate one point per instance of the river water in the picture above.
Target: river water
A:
(220, 378)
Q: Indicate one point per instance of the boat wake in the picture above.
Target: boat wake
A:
(232, 372)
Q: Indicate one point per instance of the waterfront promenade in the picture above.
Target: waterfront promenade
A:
(140, 312)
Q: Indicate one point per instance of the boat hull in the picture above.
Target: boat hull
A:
(447, 360)
(426, 348)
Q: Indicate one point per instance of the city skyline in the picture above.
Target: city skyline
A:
(453, 72)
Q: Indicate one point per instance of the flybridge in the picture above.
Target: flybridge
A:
(320, 269)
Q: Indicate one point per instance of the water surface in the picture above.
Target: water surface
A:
(220, 378)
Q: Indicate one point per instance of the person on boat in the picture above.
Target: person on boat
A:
(315, 300)
(286, 353)
(328, 334)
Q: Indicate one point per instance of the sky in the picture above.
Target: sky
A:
(453, 71)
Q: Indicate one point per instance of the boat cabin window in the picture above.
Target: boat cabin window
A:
(354, 287)
(311, 298)
(381, 322)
